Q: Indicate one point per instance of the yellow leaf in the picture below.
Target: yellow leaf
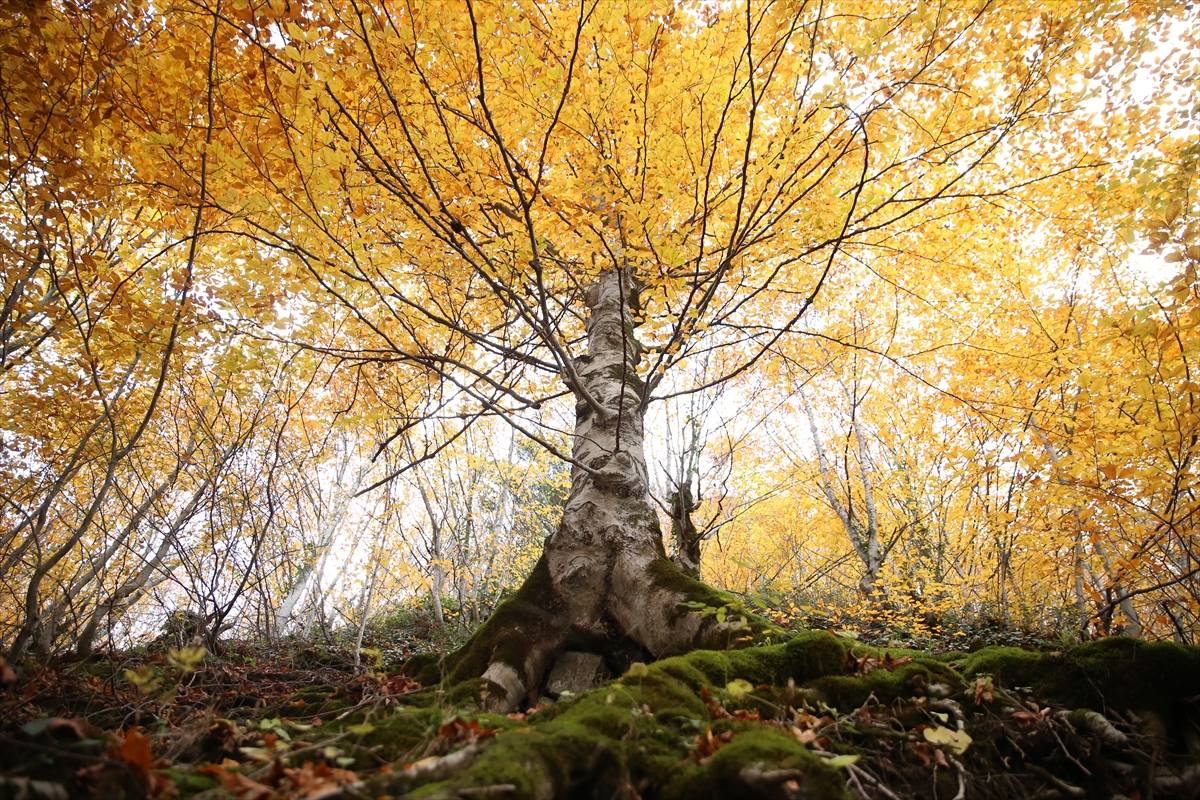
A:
(956, 742)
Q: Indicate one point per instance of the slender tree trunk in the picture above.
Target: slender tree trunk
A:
(435, 591)
(436, 556)
(366, 610)
(314, 565)
(864, 538)
(1133, 623)
(683, 530)
(1080, 600)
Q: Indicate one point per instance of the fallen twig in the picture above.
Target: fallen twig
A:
(400, 782)
(861, 774)
(1068, 789)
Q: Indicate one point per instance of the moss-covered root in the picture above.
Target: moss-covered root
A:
(511, 650)
(733, 627)
(515, 646)
(589, 754)
(642, 731)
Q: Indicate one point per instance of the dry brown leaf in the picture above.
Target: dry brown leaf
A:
(238, 784)
(983, 691)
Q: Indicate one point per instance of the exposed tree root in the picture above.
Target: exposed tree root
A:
(513, 650)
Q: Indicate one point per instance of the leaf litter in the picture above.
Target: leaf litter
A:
(285, 729)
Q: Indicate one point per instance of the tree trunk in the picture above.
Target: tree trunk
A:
(687, 538)
(604, 583)
(340, 499)
(864, 538)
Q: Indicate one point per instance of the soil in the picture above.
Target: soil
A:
(815, 716)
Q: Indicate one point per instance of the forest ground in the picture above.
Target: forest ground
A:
(816, 715)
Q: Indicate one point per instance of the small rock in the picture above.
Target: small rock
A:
(575, 672)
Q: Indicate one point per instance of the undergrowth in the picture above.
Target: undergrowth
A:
(819, 716)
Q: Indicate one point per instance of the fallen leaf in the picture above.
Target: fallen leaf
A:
(1027, 718)
(930, 754)
(707, 744)
(715, 709)
(983, 691)
(739, 688)
(804, 737)
(460, 730)
(891, 664)
(310, 780)
(135, 750)
(237, 784)
(8, 676)
(956, 742)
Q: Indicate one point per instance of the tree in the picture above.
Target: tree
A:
(517, 200)
(498, 209)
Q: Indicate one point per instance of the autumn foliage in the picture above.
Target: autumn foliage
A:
(250, 375)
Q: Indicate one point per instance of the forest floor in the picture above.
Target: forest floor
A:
(815, 716)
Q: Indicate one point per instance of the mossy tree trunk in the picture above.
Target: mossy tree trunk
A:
(604, 582)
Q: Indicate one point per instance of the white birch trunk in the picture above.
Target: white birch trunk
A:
(315, 564)
(864, 539)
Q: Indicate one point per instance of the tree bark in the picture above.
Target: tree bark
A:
(687, 538)
(604, 582)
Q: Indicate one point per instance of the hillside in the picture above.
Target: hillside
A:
(817, 716)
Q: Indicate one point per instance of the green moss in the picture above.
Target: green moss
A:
(1078, 718)
(188, 782)
(1116, 673)
(427, 698)
(543, 761)
(641, 728)
(721, 776)
(424, 668)
(507, 635)
(469, 692)
(700, 668)
(522, 766)
(669, 696)
(1123, 673)
(665, 574)
(313, 694)
(332, 705)
(1008, 666)
(396, 735)
(920, 678)
(809, 656)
